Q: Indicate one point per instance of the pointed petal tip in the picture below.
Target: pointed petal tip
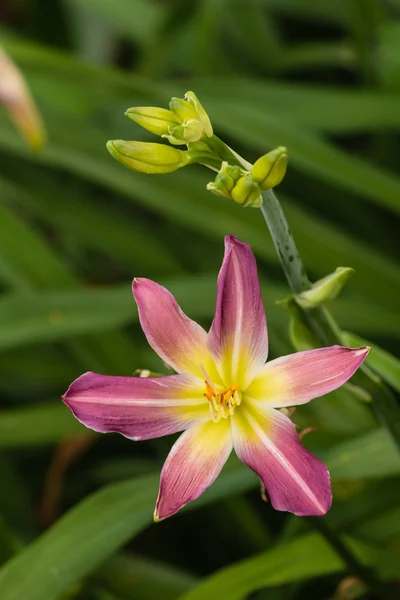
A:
(365, 350)
(156, 517)
(77, 385)
(135, 283)
(232, 241)
(162, 511)
(138, 281)
(360, 353)
(141, 285)
(243, 249)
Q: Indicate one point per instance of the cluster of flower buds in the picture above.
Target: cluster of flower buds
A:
(245, 187)
(187, 123)
(236, 183)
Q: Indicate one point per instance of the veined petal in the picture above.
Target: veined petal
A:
(300, 377)
(238, 336)
(268, 443)
(178, 340)
(139, 408)
(193, 464)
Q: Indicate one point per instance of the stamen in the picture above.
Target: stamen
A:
(222, 404)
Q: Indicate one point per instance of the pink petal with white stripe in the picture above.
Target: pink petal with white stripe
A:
(137, 407)
(193, 464)
(238, 336)
(303, 376)
(296, 481)
(178, 340)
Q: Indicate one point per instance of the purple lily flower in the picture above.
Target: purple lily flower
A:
(223, 396)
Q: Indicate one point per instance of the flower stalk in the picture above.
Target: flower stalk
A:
(319, 319)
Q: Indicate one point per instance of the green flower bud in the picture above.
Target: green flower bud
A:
(201, 113)
(225, 180)
(183, 110)
(246, 192)
(189, 132)
(194, 121)
(325, 289)
(222, 186)
(232, 171)
(234, 182)
(156, 120)
(148, 158)
(269, 170)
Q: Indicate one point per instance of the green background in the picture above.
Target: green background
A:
(322, 79)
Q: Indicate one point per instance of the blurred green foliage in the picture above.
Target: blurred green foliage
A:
(322, 79)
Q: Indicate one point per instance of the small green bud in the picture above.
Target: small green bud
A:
(156, 120)
(269, 170)
(222, 186)
(234, 182)
(232, 171)
(246, 192)
(225, 180)
(325, 289)
(148, 158)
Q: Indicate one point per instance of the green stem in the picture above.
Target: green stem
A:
(319, 319)
(293, 265)
(207, 159)
(284, 243)
(223, 151)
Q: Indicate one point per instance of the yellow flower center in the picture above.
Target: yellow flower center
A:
(223, 403)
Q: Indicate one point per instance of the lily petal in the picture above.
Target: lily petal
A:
(193, 464)
(178, 340)
(268, 443)
(300, 377)
(138, 408)
(238, 336)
